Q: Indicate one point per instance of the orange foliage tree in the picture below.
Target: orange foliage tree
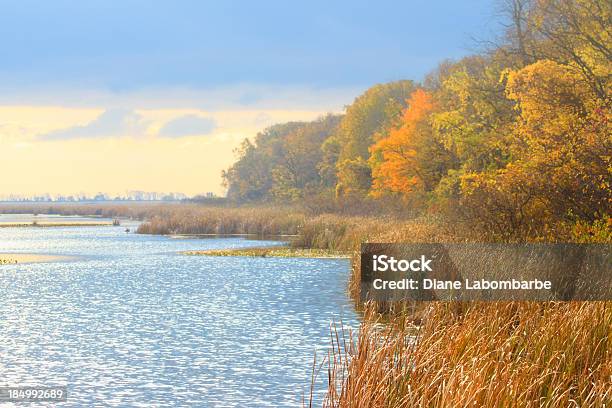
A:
(395, 163)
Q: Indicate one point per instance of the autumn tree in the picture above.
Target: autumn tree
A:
(330, 150)
(296, 172)
(561, 171)
(515, 140)
(408, 159)
(250, 177)
(577, 34)
(371, 114)
(282, 163)
(474, 115)
(354, 178)
(518, 37)
(565, 134)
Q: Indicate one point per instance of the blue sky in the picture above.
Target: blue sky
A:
(129, 44)
(116, 95)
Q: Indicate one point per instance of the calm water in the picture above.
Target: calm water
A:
(46, 218)
(133, 323)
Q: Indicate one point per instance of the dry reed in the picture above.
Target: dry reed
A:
(508, 354)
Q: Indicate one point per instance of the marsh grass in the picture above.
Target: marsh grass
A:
(510, 354)
(169, 219)
(505, 354)
(137, 211)
(273, 252)
(188, 219)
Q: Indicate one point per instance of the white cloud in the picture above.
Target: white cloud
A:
(188, 125)
(111, 123)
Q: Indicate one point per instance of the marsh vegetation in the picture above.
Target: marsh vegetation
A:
(508, 145)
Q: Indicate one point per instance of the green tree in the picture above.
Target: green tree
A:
(354, 178)
(297, 171)
(283, 162)
(250, 177)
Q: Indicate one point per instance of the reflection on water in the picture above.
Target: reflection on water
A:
(133, 323)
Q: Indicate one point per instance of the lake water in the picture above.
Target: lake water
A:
(131, 322)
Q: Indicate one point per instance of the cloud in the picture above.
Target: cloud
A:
(188, 125)
(260, 97)
(111, 123)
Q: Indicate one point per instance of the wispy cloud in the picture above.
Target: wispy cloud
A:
(235, 97)
(111, 123)
(188, 125)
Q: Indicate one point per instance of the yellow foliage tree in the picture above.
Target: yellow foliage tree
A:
(561, 169)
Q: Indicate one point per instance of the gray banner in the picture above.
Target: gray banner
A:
(539, 272)
(34, 394)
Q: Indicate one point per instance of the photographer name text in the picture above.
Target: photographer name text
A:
(384, 263)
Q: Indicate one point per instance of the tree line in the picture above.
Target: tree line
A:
(515, 140)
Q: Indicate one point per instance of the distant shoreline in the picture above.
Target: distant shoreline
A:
(55, 224)
(21, 258)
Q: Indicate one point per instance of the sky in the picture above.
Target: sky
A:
(116, 95)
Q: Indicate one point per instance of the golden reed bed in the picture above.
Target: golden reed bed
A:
(506, 354)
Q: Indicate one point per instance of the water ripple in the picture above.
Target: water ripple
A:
(133, 323)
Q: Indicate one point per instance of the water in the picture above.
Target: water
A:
(131, 322)
(47, 218)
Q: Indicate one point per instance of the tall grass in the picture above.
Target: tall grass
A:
(338, 232)
(508, 354)
(133, 210)
(512, 354)
(165, 218)
(190, 219)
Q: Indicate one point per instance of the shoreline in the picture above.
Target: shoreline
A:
(55, 224)
(25, 258)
